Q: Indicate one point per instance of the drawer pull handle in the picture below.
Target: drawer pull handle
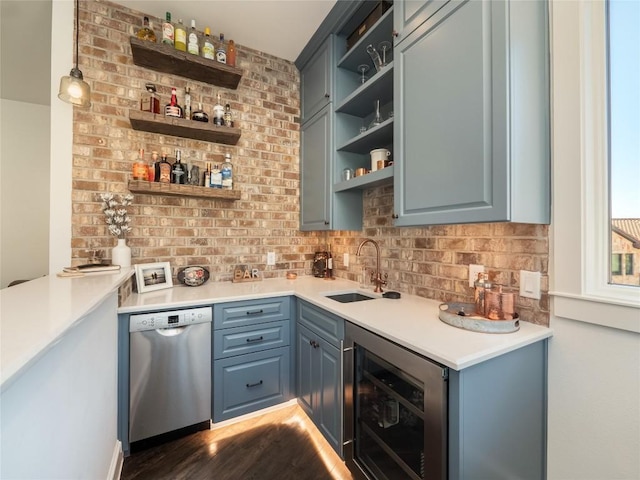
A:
(255, 312)
(314, 344)
(259, 339)
(249, 385)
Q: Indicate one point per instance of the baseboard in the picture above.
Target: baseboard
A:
(246, 416)
(117, 460)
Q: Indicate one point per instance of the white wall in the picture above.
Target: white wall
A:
(58, 419)
(24, 191)
(594, 402)
(594, 369)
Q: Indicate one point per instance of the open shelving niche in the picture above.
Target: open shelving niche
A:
(165, 59)
(355, 108)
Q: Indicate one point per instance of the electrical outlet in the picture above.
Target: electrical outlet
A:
(271, 258)
(530, 284)
(474, 270)
(345, 260)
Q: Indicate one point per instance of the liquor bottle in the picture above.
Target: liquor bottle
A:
(146, 32)
(172, 109)
(187, 103)
(178, 170)
(200, 115)
(216, 177)
(221, 52)
(164, 170)
(218, 112)
(149, 102)
(207, 175)
(193, 42)
(228, 120)
(151, 170)
(227, 172)
(180, 33)
(140, 167)
(208, 50)
(168, 30)
(231, 53)
(329, 270)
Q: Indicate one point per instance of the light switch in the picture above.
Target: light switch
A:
(271, 258)
(474, 270)
(529, 284)
(345, 260)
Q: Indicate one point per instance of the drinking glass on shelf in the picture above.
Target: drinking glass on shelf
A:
(384, 46)
(375, 56)
(377, 119)
(364, 68)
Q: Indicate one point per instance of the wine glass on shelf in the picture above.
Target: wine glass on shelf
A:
(363, 68)
(384, 46)
(377, 118)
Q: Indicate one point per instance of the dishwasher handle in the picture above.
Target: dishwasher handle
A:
(171, 332)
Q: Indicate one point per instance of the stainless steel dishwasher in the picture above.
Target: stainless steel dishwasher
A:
(169, 371)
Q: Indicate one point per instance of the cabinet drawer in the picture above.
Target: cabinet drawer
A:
(250, 338)
(247, 383)
(250, 312)
(321, 322)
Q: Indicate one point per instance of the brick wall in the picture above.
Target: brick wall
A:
(430, 261)
(188, 231)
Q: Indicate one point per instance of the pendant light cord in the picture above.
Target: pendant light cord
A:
(77, 29)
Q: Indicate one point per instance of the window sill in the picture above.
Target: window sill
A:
(604, 311)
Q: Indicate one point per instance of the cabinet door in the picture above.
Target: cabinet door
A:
(317, 147)
(247, 383)
(316, 84)
(451, 118)
(410, 14)
(304, 371)
(328, 411)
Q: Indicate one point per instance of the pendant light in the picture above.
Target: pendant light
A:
(73, 88)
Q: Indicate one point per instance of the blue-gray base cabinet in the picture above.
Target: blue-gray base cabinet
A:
(471, 103)
(251, 356)
(498, 417)
(319, 384)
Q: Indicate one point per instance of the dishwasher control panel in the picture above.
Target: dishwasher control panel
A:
(169, 319)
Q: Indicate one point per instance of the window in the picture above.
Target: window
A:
(623, 58)
(616, 264)
(628, 264)
(581, 244)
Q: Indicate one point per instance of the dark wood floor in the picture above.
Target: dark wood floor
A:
(283, 444)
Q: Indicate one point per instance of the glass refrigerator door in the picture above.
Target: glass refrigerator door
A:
(390, 426)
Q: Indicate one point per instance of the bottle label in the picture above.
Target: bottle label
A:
(181, 36)
(221, 56)
(216, 180)
(227, 178)
(167, 33)
(140, 171)
(165, 173)
(207, 51)
(193, 44)
(177, 174)
(172, 111)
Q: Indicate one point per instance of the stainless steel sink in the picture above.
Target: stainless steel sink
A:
(350, 297)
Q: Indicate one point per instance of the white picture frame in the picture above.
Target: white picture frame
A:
(153, 276)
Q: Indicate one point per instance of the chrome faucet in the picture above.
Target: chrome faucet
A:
(376, 277)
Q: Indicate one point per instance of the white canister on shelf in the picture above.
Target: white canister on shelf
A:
(379, 155)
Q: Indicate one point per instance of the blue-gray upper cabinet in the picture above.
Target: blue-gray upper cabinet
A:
(410, 14)
(316, 141)
(471, 128)
(316, 81)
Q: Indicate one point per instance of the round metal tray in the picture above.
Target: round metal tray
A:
(450, 314)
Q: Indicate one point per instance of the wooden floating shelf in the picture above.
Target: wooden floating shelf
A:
(176, 190)
(181, 127)
(166, 59)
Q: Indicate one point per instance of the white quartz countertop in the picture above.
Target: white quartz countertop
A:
(410, 321)
(35, 314)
